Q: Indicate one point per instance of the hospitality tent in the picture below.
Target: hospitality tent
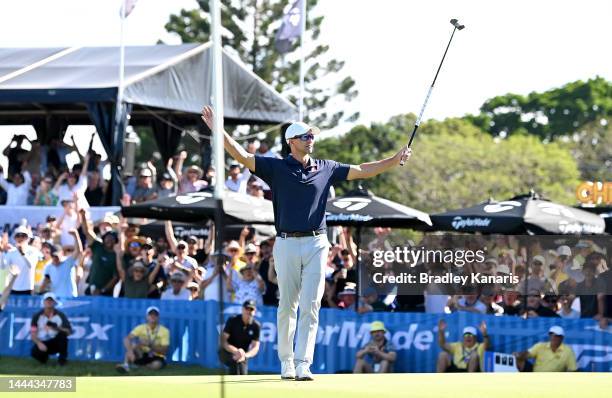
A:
(164, 86)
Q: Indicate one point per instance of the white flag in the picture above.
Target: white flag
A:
(290, 29)
(128, 6)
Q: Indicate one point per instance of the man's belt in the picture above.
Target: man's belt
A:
(301, 234)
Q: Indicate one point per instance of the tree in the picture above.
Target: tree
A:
(249, 31)
(557, 112)
(456, 164)
(591, 146)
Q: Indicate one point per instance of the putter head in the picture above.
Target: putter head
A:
(456, 24)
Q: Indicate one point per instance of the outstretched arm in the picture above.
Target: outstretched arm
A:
(231, 146)
(371, 169)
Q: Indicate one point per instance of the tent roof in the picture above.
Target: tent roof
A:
(174, 78)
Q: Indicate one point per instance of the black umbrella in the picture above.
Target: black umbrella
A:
(360, 208)
(198, 207)
(523, 214)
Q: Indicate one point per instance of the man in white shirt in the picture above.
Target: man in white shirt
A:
(237, 181)
(60, 273)
(17, 191)
(23, 256)
(210, 281)
(177, 290)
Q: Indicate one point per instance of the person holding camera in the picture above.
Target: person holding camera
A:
(146, 345)
(50, 330)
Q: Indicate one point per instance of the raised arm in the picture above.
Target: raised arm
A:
(172, 242)
(231, 146)
(371, 169)
(119, 261)
(78, 246)
(87, 227)
(442, 336)
(154, 273)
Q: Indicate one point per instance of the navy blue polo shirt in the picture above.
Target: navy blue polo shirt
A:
(299, 194)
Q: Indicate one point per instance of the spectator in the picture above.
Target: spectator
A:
(191, 181)
(147, 255)
(256, 190)
(210, 281)
(378, 355)
(265, 254)
(590, 292)
(369, 301)
(137, 283)
(17, 191)
(556, 276)
(536, 280)
(265, 151)
(144, 188)
(237, 181)
(15, 154)
(234, 251)
(146, 345)
(109, 223)
(463, 356)
(45, 196)
(552, 356)
(186, 262)
(68, 221)
(534, 307)
(250, 287)
(167, 186)
(487, 297)
(194, 290)
(177, 290)
(46, 248)
(347, 297)
(24, 256)
(61, 272)
(240, 339)
(96, 189)
(13, 272)
(76, 183)
(103, 273)
(468, 302)
(566, 310)
(195, 251)
(511, 304)
(49, 331)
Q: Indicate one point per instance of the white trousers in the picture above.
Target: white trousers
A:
(300, 265)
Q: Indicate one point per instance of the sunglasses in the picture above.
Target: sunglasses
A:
(181, 247)
(305, 137)
(134, 244)
(17, 236)
(250, 309)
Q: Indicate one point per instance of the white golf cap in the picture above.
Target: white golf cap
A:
(299, 128)
(558, 330)
(503, 269)
(471, 330)
(564, 251)
(49, 295)
(152, 308)
(22, 230)
(539, 259)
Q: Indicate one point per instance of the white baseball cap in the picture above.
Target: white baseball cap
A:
(564, 251)
(471, 330)
(23, 230)
(299, 128)
(152, 308)
(558, 330)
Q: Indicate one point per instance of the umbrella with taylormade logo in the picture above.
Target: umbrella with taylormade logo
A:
(360, 208)
(523, 214)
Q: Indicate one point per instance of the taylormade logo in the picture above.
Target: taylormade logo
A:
(460, 222)
(352, 204)
(347, 217)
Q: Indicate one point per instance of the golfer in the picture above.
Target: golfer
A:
(300, 185)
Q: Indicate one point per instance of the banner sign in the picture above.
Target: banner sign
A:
(100, 324)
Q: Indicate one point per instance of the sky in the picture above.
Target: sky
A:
(391, 47)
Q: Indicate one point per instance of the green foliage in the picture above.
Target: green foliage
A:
(592, 148)
(557, 112)
(249, 30)
(455, 164)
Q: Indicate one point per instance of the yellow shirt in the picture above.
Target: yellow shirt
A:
(158, 337)
(461, 355)
(39, 271)
(562, 360)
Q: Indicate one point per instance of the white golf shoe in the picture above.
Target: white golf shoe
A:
(303, 372)
(287, 370)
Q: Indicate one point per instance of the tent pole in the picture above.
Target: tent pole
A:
(218, 152)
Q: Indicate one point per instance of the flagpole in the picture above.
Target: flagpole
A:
(302, 51)
(218, 156)
(118, 106)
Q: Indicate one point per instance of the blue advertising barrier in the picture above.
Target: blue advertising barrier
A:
(100, 323)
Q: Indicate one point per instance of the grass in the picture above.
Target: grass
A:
(498, 385)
